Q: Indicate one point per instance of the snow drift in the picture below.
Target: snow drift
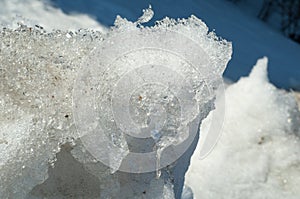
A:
(258, 154)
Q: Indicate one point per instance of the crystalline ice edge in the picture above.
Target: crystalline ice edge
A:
(37, 73)
(115, 93)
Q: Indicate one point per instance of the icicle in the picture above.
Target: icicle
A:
(158, 155)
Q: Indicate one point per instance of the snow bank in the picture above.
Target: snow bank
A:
(258, 154)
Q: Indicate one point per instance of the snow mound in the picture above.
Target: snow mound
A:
(178, 58)
(258, 154)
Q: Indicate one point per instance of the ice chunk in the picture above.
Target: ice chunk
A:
(147, 82)
(36, 79)
(133, 81)
(187, 193)
(147, 15)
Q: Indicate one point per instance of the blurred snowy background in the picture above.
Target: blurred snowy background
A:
(258, 155)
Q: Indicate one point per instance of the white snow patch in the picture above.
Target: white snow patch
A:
(40, 13)
(258, 154)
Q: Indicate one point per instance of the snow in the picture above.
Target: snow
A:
(164, 77)
(36, 114)
(251, 37)
(258, 154)
(40, 13)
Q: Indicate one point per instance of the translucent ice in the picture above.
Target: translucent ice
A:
(159, 79)
(147, 15)
(147, 82)
(36, 79)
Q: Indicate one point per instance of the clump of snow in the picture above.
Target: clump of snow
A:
(158, 81)
(38, 71)
(258, 154)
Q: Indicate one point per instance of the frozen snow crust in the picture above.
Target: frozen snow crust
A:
(38, 70)
(148, 86)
